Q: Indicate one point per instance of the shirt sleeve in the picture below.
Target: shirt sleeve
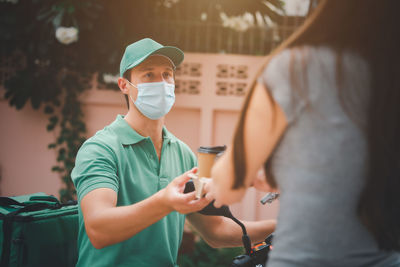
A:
(95, 167)
(284, 78)
(193, 159)
(189, 159)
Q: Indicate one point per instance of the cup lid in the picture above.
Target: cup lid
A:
(211, 149)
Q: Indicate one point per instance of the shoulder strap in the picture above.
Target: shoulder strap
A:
(6, 201)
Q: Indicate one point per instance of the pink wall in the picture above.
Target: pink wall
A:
(25, 160)
(204, 114)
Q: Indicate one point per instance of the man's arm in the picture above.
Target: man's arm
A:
(219, 231)
(107, 224)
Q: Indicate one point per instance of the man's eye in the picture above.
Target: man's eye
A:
(149, 75)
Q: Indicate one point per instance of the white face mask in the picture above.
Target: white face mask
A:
(154, 100)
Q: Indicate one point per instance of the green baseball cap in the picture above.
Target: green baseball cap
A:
(137, 52)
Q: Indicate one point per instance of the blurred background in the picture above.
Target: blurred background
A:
(59, 62)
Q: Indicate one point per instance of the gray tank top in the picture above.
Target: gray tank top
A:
(320, 162)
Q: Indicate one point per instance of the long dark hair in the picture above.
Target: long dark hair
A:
(371, 29)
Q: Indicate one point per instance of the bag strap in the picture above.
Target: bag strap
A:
(44, 198)
(7, 201)
(7, 228)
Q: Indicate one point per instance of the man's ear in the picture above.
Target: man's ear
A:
(123, 85)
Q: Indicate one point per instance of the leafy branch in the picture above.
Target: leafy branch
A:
(65, 42)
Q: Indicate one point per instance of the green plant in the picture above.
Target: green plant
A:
(65, 42)
(50, 77)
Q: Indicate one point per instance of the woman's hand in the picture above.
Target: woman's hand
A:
(260, 182)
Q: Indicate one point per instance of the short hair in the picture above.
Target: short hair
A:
(127, 75)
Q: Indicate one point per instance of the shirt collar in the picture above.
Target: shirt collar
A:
(129, 136)
(167, 136)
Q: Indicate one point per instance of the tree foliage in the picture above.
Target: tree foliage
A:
(54, 74)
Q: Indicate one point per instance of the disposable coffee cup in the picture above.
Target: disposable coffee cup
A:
(206, 157)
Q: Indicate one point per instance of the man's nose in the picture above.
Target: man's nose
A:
(159, 78)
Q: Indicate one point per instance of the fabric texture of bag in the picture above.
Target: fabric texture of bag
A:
(37, 230)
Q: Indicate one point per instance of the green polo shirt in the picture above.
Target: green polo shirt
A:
(118, 158)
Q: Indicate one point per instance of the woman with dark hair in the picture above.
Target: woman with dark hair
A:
(324, 120)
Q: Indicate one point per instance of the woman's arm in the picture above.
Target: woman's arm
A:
(264, 124)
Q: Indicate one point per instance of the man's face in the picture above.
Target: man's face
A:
(154, 69)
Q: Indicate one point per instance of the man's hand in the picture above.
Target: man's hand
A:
(175, 199)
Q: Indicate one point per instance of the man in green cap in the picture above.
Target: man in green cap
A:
(130, 176)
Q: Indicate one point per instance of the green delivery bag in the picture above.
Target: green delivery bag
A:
(37, 230)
